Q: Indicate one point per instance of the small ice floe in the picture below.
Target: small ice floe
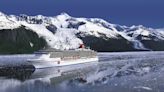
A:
(146, 69)
(143, 87)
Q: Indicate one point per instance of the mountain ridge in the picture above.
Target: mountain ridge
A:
(66, 32)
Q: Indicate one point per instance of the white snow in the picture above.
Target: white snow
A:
(65, 38)
(95, 29)
(137, 44)
(42, 32)
(6, 23)
(62, 39)
(31, 44)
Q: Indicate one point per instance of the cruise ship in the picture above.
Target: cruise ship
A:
(52, 57)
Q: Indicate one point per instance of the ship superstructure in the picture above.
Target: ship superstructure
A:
(53, 57)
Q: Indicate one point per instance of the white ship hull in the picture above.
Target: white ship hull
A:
(52, 62)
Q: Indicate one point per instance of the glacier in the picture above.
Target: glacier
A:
(61, 31)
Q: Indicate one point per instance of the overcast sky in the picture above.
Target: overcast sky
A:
(149, 13)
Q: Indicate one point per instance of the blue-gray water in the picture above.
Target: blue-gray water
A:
(115, 72)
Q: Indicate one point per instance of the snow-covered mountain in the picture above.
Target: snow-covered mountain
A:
(66, 32)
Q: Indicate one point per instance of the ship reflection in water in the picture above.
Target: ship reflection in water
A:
(128, 72)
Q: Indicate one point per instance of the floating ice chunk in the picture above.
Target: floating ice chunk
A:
(143, 87)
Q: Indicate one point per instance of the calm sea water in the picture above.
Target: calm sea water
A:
(115, 72)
